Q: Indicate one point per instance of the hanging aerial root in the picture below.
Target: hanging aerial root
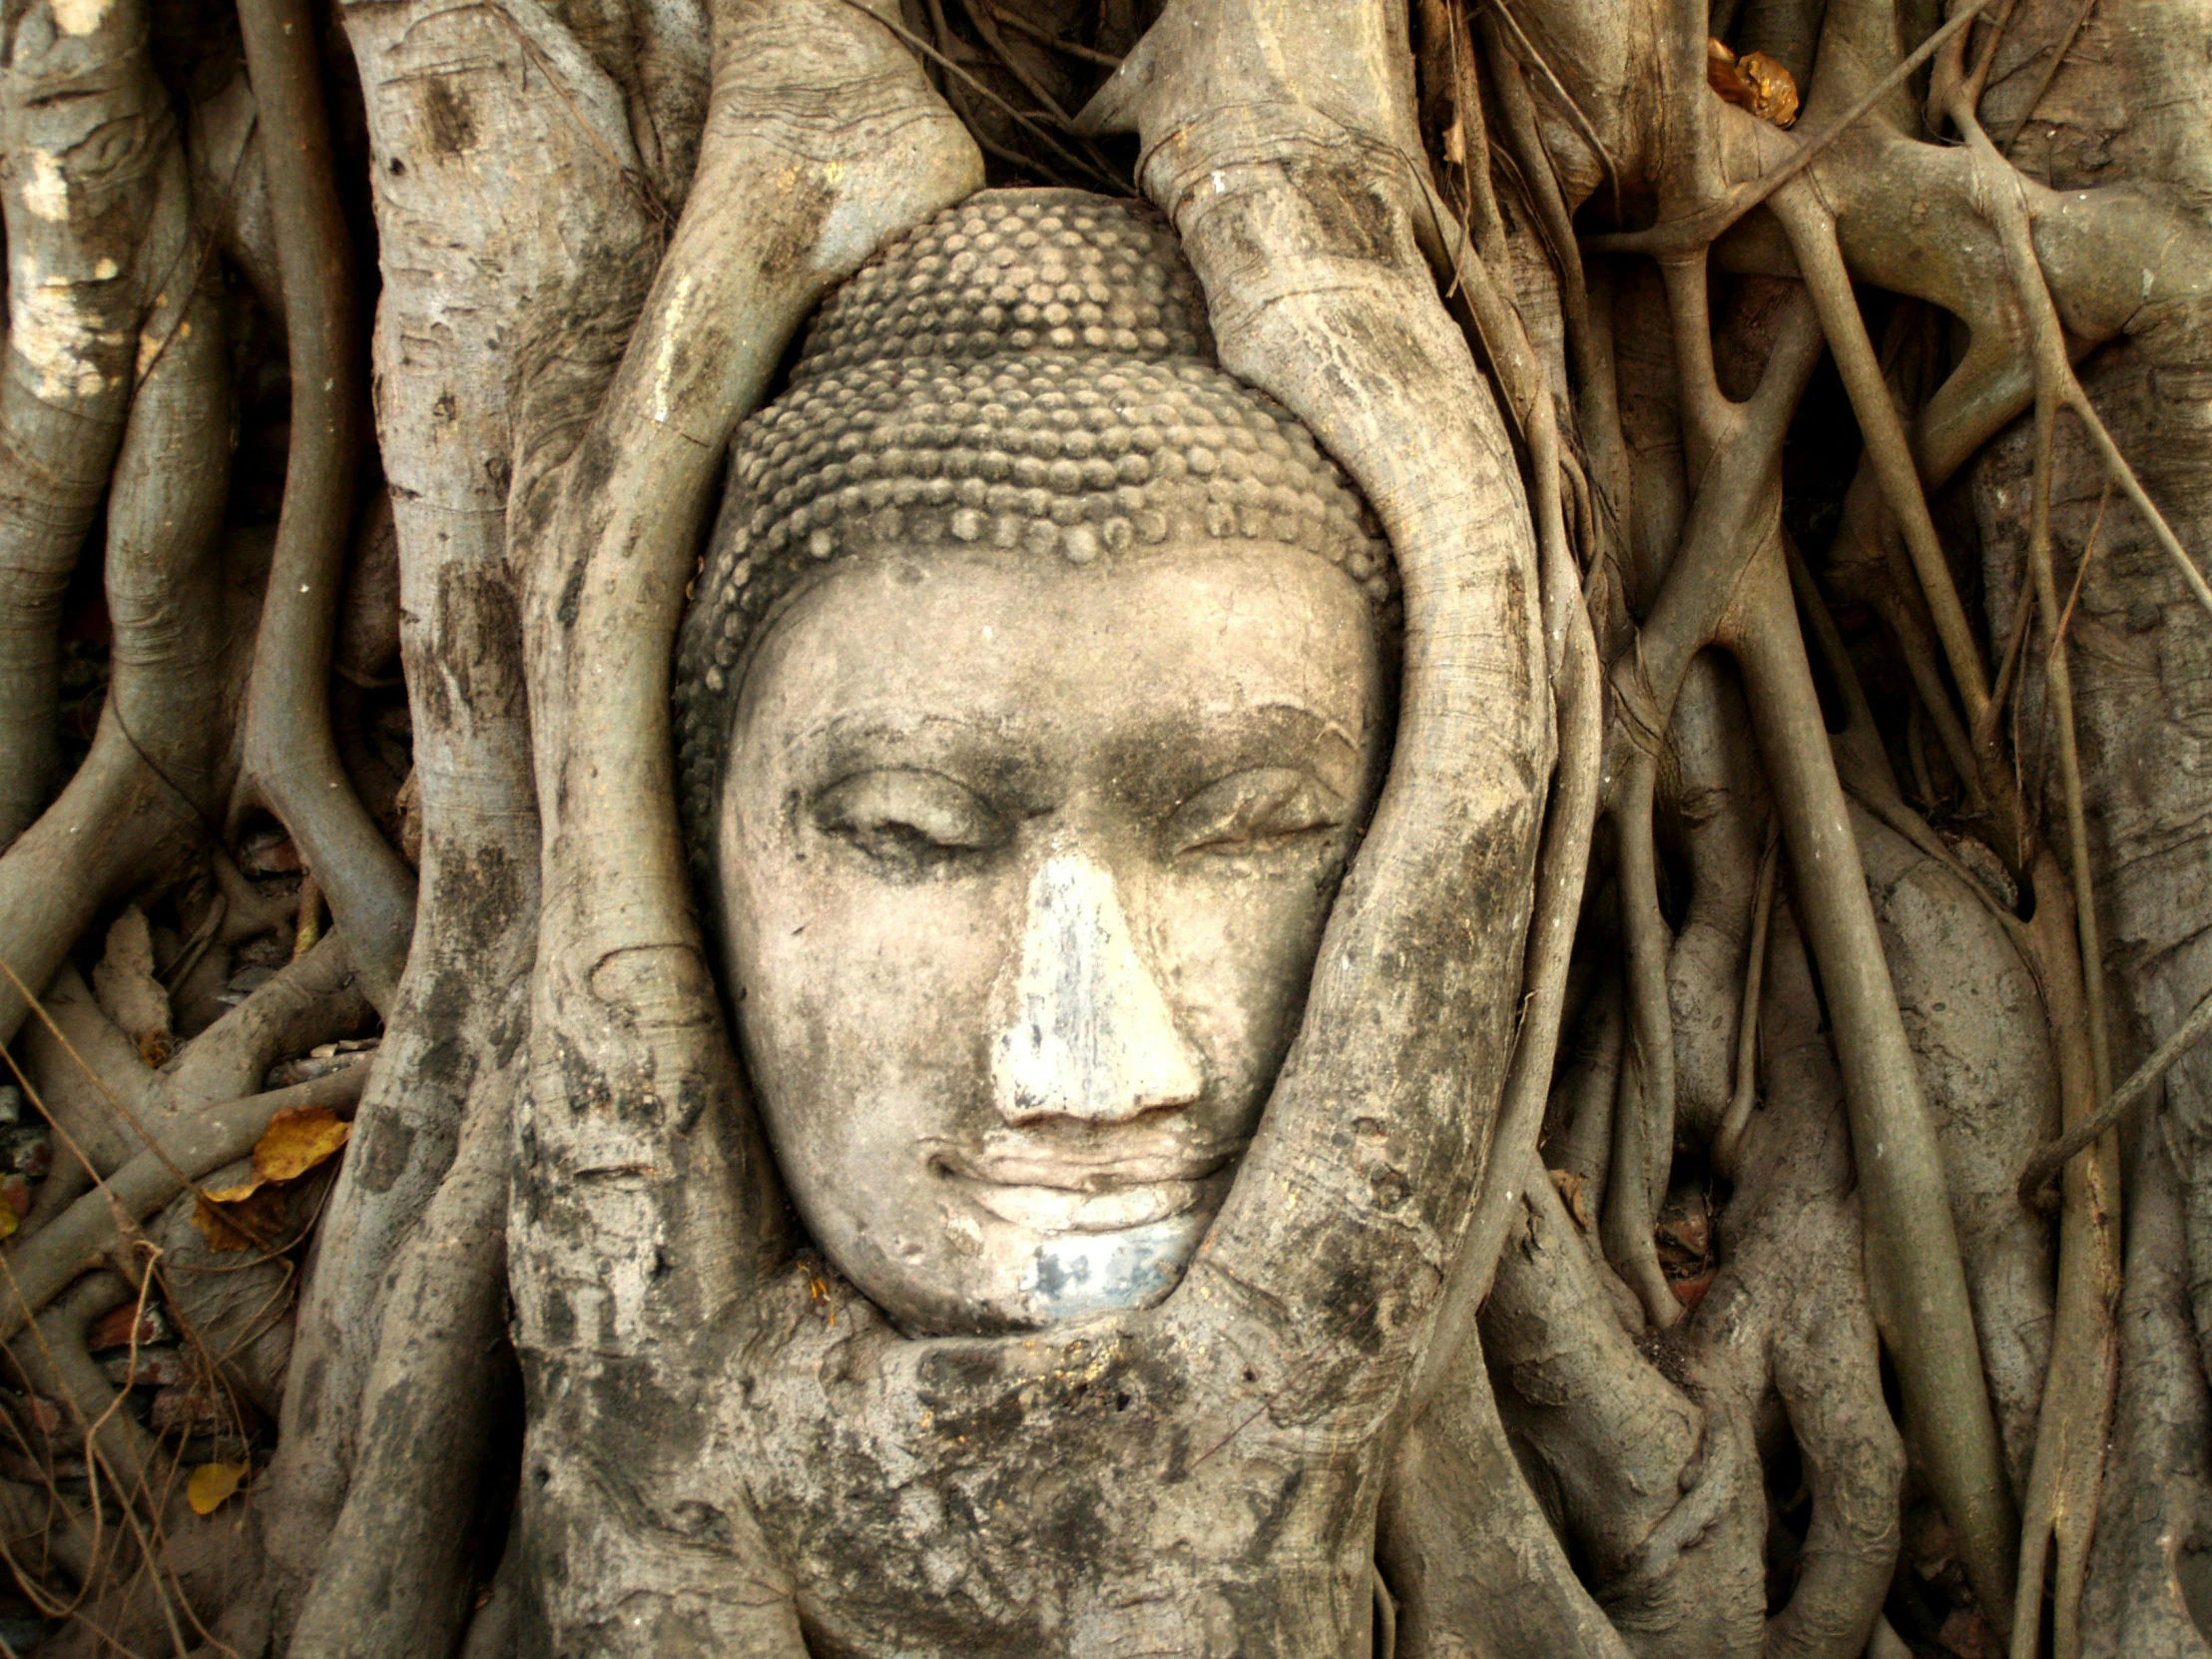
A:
(2005, 203)
(1732, 516)
(1914, 1270)
(2066, 1478)
(2058, 688)
(1813, 239)
(291, 755)
(1728, 1142)
(2136, 1599)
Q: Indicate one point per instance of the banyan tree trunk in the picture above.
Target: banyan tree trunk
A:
(1742, 1182)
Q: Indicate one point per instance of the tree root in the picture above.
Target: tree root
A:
(1465, 1545)
(1916, 1275)
(94, 233)
(143, 791)
(1990, 1068)
(2154, 1524)
(196, 1147)
(291, 758)
(1625, 1456)
(1562, 864)
(1717, 804)
(397, 1578)
(2064, 1482)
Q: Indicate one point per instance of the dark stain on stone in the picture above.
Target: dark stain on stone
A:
(385, 1159)
(446, 114)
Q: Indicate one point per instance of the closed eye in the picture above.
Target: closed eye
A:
(1251, 811)
(906, 818)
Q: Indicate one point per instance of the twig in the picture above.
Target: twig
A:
(1299, 1368)
(2024, 611)
(2050, 74)
(2081, 571)
(640, 187)
(2042, 1169)
(1045, 37)
(188, 957)
(138, 1125)
(208, 1140)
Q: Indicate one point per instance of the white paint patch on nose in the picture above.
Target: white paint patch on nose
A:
(79, 17)
(1089, 1034)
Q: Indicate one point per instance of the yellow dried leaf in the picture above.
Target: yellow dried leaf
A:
(297, 1140)
(234, 1195)
(9, 1222)
(211, 1484)
(1753, 82)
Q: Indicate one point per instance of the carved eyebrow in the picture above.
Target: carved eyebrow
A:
(1202, 747)
(988, 758)
(1329, 727)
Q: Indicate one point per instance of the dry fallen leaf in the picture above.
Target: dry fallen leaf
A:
(1571, 1186)
(255, 1219)
(1753, 82)
(211, 1484)
(297, 1140)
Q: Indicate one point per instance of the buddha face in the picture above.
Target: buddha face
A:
(1022, 870)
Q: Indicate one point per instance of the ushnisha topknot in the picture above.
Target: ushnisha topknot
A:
(1029, 370)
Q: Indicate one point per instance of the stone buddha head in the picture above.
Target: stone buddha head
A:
(1032, 700)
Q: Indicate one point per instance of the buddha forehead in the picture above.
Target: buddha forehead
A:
(1028, 374)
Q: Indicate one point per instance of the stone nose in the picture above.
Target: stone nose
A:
(1088, 1033)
